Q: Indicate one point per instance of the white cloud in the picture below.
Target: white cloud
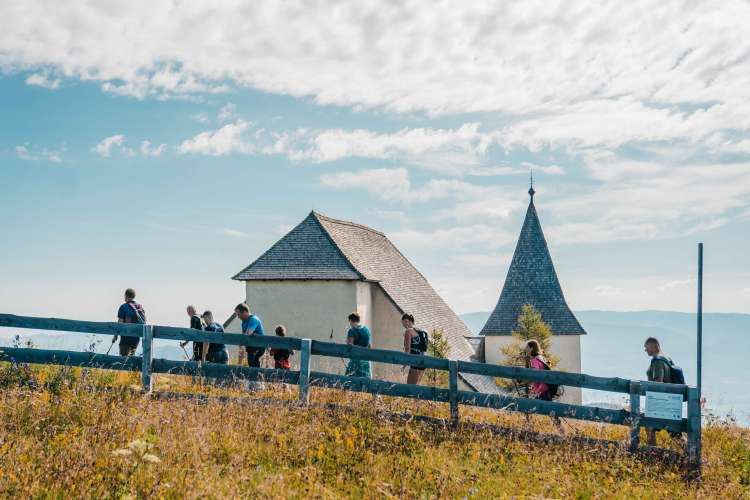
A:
(491, 260)
(104, 148)
(43, 80)
(148, 150)
(234, 233)
(23, 153)
(608, 291)
(459, 237)
(226, 140)
(29, 152)
(649, 202)
(446, 150)
(671, 285)
(390, 184)
(117, 142)
(227, 113)
(200, 118)
(447, 58)
(449, 151)
(394, 184)
(526, 169)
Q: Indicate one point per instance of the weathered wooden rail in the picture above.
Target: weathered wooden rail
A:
(305, 378)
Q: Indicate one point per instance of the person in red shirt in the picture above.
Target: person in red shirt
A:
(281, 356)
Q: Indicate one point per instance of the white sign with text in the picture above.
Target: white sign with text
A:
(663, 405)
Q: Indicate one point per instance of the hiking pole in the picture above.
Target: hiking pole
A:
(114, 339)
(342, 359)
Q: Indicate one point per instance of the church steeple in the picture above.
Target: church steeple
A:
(532, 280)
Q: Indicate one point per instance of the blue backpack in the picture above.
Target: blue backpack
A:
(677, 376)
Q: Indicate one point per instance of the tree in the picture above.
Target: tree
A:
(530, 326)
(438, 348)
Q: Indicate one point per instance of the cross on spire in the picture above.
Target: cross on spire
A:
(531, 184)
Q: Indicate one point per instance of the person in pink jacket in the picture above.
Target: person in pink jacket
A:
(537, 361)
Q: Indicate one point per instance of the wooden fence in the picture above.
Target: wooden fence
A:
(305, 378)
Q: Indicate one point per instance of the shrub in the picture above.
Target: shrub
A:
(530, 326)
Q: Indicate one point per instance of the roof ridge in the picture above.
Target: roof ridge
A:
(335, 244)
(346, 223)
(280, 240)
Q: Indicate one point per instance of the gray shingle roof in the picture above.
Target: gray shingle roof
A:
(305, 253)
(532, 280)
(324, 248)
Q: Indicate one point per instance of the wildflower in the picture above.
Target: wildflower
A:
(151, 458)
(139, 446)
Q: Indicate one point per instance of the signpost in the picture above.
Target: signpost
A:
(700, 321)
(663, 405)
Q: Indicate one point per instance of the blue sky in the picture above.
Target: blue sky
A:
(166, 147)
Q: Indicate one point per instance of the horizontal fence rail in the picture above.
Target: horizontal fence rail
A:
(306, 378)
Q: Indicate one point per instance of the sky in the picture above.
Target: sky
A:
(165, 145)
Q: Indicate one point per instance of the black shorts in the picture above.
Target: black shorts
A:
(217, 356)
(128, 345)
(418, 353)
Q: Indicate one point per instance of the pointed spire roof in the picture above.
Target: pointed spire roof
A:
(532, 280)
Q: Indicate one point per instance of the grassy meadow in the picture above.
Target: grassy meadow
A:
(69, 433)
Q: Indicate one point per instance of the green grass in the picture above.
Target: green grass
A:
(68, 433)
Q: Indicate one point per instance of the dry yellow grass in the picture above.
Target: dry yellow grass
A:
(65, 434)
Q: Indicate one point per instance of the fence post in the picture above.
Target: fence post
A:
(635, 415)
(694, 433)
(453, 390)
(148, 338)
(304, 372)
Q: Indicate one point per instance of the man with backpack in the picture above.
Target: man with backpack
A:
(130, 312)
(196, 323)
(416, 342)
(251, 325)
(661, 369)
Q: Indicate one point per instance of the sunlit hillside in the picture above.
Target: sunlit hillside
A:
(68, 433)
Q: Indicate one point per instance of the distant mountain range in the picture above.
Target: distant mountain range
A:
(613, 346)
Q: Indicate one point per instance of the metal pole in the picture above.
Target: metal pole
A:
(700, 319)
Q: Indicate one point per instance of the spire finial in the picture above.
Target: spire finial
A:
(531, 184)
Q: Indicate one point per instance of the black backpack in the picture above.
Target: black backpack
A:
(424, 339)
(676, 375)
(554, 390)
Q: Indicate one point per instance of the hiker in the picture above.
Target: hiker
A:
(216, 353)
(536, 361)
(415, 342)
(196, 323)
(281, 356)
(129, 312)
(661, 369)
(358, 335)
(539, 390)
(251, 325)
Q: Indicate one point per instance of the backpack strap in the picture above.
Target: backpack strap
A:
(139, 312)
(663, 359)
(544, 362)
